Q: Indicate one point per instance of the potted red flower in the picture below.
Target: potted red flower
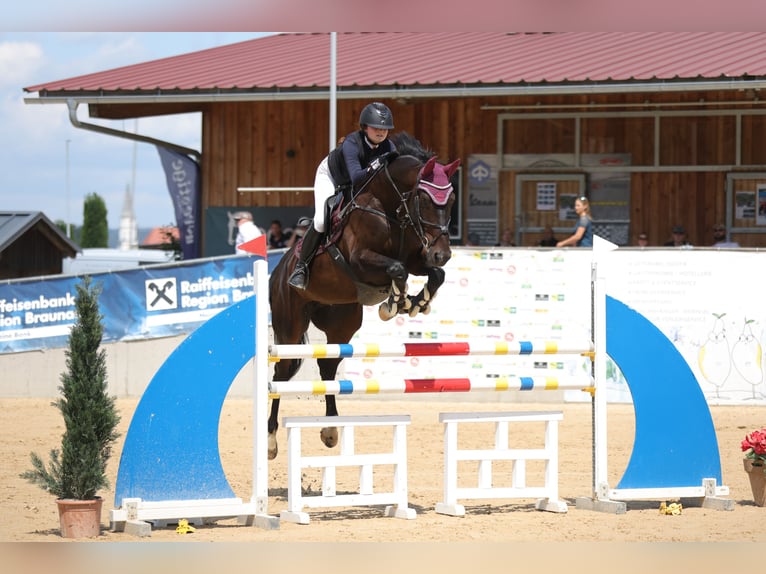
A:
(754, 447)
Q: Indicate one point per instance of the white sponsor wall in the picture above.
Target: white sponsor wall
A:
(708, 303)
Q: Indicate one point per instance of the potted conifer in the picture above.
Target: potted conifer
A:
(77, 471)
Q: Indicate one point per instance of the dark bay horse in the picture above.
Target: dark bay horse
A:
(395, 224)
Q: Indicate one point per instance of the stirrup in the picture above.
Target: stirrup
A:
(299, 278)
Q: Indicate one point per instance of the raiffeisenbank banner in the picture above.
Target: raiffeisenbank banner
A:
(141, 303)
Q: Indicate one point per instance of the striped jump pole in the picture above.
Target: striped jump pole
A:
(428, 385)
(443, 349)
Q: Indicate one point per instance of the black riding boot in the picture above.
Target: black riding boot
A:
(300, 276)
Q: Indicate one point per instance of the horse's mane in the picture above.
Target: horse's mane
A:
(409, 145)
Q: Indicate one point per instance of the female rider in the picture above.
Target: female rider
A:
(358, 154)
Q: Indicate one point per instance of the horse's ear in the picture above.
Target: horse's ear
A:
(428, 168)
(452, 167)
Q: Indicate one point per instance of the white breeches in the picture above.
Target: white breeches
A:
(324, 188)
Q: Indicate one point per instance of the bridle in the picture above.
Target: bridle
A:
(408, 212)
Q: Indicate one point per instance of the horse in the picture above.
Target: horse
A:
(394, 224)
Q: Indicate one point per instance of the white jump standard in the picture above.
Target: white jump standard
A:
(548, 493)
(348, 456)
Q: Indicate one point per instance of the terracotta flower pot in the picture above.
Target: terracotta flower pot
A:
(757, 475)
(80, 518)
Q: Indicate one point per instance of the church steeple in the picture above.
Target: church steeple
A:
(128, 224)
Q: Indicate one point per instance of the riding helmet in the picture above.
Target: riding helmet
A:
(377, 115)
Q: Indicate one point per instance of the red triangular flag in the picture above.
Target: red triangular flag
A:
(256, 246)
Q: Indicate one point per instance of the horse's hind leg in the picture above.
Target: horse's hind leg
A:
(339, 323)
(290, 321)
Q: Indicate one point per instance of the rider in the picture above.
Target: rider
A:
(357, 155)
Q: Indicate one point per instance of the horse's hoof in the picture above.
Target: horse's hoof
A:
(384, 312)
(329, 436)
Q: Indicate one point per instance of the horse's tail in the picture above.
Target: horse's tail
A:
(295, 364)
(278, 289)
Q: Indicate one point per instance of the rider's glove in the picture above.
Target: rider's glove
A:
(374, 165)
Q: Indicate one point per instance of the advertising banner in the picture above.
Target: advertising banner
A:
(141, 303)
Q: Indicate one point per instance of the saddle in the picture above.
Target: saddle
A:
(333, 215)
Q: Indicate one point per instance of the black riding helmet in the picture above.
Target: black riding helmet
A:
(376, 115)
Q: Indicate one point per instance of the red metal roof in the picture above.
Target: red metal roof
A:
(391, 59)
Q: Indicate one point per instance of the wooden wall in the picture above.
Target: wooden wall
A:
(279, 144)
(33, 254)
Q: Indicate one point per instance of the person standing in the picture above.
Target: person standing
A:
(679, 238)
(299, 230)
(246, 230)
(506, 239)
(643, 240)
(549, 239)
(582, 234)
(719, 237)
(276, 235)
(359, 152)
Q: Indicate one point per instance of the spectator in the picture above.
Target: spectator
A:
(246, 230)
(300, 228)
(643, 239)
(473, 240)
(506, 239)
(719, 237)
(582, 234)
(679, 238)
(276, 236)
(548, 240)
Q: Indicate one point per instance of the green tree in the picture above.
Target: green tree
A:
(67, 227)
(61, 224)
(78, 470)
(95, 232)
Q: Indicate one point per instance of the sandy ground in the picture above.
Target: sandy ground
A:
(28, 514)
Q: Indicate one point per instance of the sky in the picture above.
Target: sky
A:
(48, 165)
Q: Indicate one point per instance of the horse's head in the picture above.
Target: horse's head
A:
(434, 200)
(415, 192)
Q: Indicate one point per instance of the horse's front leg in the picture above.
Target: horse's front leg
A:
(327, 370)
(329, 435)
(370, 264)
(397, 301)
(273, 425)
(421, 303)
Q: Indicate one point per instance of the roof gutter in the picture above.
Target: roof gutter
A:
(72, 104)
(406, 93)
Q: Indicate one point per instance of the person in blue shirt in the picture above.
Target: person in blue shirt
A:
(346, 165)
(582, 234)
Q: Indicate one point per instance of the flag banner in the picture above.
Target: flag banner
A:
(182, 175)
